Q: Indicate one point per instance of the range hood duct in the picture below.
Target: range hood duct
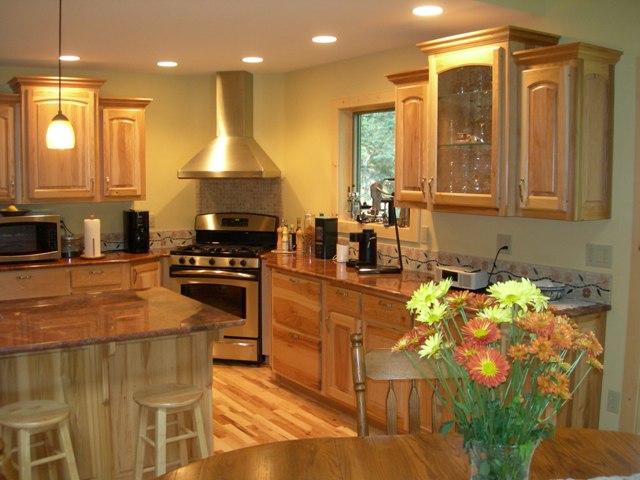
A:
(233, 153)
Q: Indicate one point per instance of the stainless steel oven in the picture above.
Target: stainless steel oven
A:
(223, 269)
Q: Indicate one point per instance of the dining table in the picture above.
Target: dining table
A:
(571, 453)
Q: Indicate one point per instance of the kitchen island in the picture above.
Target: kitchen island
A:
(93, 351)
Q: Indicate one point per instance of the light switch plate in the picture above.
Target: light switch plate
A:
(599, 256)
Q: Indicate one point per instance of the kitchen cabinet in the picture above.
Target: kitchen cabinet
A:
(58, 175)
(411, 151)
(296, 330)
(8, 161)
(123, 148)
(145, 275)
(342, 313)
(34, 282)
(566, 133)
(472, 143)
(99, 278)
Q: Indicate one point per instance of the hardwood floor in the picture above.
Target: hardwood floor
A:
(250, 409)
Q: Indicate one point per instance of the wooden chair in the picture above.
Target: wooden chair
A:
(163, 400)
(382, 364)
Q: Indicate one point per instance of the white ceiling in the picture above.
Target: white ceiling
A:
(205, 36)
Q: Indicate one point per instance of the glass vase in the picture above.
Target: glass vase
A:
(499, 462)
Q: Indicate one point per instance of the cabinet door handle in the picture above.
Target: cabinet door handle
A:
(12, 190)
(107, 180)
(342, 293)
(135, 276)
(295, 281)
(431, 187)
(295, 336)
(92, 184)
(385, 304)
(23, 277)
(521, 190)
(423, 180)
(96, 272)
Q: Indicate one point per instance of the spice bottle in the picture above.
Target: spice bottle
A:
(309, 234)
(279, 238)
(299, 238)
(285, 237)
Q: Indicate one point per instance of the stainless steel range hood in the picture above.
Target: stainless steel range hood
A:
(233, 153)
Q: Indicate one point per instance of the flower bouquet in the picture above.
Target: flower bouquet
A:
(503, 363)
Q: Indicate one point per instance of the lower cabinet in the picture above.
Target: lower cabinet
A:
(145, 275)
(33, 282)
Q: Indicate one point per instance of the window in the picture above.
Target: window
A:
(373, 152)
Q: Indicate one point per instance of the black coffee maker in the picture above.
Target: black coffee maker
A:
(367, 248)
(136, 231)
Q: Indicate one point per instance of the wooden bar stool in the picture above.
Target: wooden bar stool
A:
(168, 399)
(38, 416)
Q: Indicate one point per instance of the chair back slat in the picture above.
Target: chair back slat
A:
(414, 408)
(392, 410)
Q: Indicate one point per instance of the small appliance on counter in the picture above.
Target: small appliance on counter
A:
(136, 231)
(466, 278)
(29, 238)
(367, 248)
(326, 234)
(71, 245)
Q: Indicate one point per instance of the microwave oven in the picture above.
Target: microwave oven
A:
(30, 238)
(462, 277)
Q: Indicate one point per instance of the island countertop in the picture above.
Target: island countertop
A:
(76, 320)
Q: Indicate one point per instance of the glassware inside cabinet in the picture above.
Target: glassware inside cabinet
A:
(464, 130)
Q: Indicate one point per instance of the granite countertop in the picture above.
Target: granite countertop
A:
(399, 286)
(77, 320)
(110, 257)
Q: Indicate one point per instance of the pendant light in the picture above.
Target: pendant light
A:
(60, 131)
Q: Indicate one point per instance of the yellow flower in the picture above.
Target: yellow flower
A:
(431, 345)
(496, 313)
(520, 293)
(428, 294)
(432, 314)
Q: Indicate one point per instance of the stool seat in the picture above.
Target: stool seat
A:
(33, 414)
(163, 400)
(168, 396)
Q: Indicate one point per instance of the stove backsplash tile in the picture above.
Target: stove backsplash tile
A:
(247, 195)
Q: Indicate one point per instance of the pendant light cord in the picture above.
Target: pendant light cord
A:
(59, 55)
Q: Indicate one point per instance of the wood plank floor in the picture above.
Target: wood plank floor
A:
(250, 409)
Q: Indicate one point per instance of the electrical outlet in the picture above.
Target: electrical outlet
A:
(504, 240)
(613, 401)
(152, 220)
(599, 256)
(424, 234)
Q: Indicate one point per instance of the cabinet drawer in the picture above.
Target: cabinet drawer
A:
(296, 303)
(33, 283)
(98, 278)
(297, 357)
(338, 299)
(386, 311)
(145, 275)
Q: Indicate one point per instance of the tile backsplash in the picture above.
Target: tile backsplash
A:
(248, 195)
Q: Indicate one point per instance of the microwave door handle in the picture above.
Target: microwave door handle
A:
(202, 273)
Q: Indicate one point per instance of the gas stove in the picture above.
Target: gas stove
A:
(218, 256)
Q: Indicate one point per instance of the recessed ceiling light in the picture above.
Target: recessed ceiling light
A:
(167, 63)
(252, 59)
(69, 58)
(324, 39)
(427, 11)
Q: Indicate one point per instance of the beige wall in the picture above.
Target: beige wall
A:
(294, 122)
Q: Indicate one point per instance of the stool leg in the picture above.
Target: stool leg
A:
(184, 455)
(199, 426)
(142, 432)
(24, 454)
(67, 448)
(161, 441)
(49, 446)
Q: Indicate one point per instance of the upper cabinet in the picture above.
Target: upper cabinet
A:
(123, 151)
(58, 175)
(8, 161)
(411, 152)
(107, 162)
(472, 143)
(566, 132)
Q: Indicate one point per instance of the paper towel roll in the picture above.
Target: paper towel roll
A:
(91, 237)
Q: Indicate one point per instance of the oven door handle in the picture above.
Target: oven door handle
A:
(206, 273)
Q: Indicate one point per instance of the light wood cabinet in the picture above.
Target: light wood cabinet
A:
(342, 312)
(566, 132)
(145, 275)
(58, 175)
(123, 148)
(472, 143)
(411, 125)
(296, 330)
(33, 283)
(99, 278)
(8, 161)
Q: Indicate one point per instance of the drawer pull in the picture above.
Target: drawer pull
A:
(295, 336)
(385, 304)
(342, 293)
(23, 277)
(96, 272)
(295, 281)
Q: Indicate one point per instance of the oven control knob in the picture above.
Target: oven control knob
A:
(212, 261)
(181, 260)
(243, 263)
(192, 261)
(232, 262)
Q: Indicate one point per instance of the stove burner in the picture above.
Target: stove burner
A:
(217, 250)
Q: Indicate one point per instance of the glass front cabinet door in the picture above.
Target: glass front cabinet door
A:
(464, 140)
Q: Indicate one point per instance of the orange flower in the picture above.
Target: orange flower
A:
(554, 383)
(414, 338)
(480, 331)
(480, 301)
(488, 367)
(518, 352)
(543, 349)
(564, 334)
(540, 323)
(458, 299)
(462, 353)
